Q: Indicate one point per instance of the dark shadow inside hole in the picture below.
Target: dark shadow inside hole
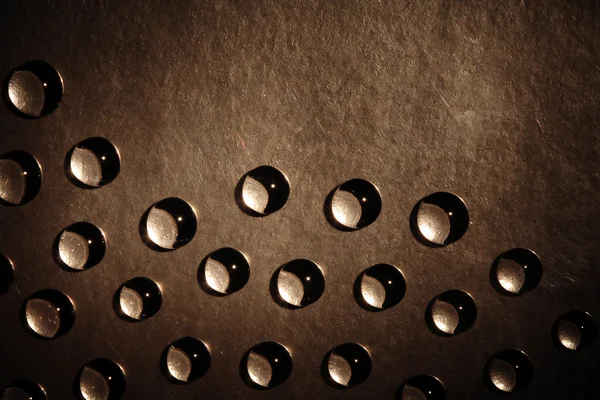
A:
(31, 167)
(96, 250)
(523, 374)
(53, 89)
(358, 359)
(581, 324)
(430, 387)
(271, 351)
(390, 278)
(308, 273)
(7, 274)
(456, 212)
(274, 182)
(61, 302)
(365, 193)
(463, 304)
(30, 388)
(107, 155)
(237, 267)
(149, 293)
(523, 257)
(200, 363)
(117, 384)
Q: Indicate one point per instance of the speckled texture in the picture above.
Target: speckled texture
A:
(495, 101)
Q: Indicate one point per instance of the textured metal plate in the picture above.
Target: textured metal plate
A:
(496, 102)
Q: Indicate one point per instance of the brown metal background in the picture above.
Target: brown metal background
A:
(497, 102)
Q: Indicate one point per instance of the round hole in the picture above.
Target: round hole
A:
(379, 287)
(297, 284)
(574, 331)
(421, 387)
(346, 366)
(508, 371)
(169, 224)
(439, 219)
(79, 246)
(20, 178)
(353, 205)
(23, 389)
(185, 360)
(100, 379)
(262, 191)
(266, 365)
(33, 89)
(93, 163)
(48, 314)
(516, 271)
(7, 273)
(451, 313)
(138, 299)
(224, 271)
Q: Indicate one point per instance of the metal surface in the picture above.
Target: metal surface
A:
(496, 102)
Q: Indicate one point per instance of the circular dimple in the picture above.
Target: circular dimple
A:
(353, 205)
(262, 191)
(169, 224)
(185, 360)
(93, 163)
(574, 331)
(266, 365)
(48, 314)
(20, 178)
(421, 387)
(7, 273)
(508, 371)
(439, 219)
(100, 379)
(33, 89)
(297, 284)
(379, 287)
(23, 389)
(516, 271)
(138, 299)
(451, 313)
(79, 246)
(346, 365)
(224, 271)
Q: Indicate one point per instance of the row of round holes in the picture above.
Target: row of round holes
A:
(352, 205)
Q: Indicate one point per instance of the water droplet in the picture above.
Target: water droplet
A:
(574, 331)
(224, 271)
(79, 246)
(439, 219)
(138, 299)
(20, 178)
(353, 205)
(259, 368)
(516, 271)
(185, 360)
(7, 273)
(346, 365)
(23, 389)
(93, 163)
(297, 284)
(33, 89)
(262, 191)
(48, 314)
(421, 387)
(100, 379)
(379, 287)
(169, 224)
(451, 313)
(508, 371)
